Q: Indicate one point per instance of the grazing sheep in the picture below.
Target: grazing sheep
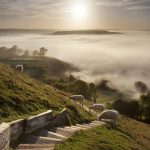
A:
(109, 114)
(97, 107)
(19, 68)
(77, 97)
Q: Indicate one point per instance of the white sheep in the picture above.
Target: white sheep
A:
(109, 114)
(97, 107)
(19, 68)
(77, 98)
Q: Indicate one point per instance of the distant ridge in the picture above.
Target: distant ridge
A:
(95, 32)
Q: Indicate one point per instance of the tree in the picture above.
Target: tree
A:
(106, 85)
(26, 53)
(43, 51)
(3, 51)
(72, 78)
(128, 108)
(81, 88)
(14, 51)
(141, 87)
(92, 92)
(35, 53)
(41, 70)
(145, 104)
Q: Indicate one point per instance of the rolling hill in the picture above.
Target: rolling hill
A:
(85, 32)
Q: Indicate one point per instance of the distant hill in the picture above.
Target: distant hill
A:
(89, 32)
(22, 96)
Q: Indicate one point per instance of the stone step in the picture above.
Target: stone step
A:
(98, 122)
(77, 127)
(72, 128)
(90, 125)
(63, 131)
(35, 147)
(31, 139)
(45, 133)
(94, 124)
(83, 126)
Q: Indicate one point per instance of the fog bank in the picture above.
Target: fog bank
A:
(122, 59)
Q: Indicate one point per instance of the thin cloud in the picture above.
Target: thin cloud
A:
(127, 4)
(56, 12)
(27, 8)
(57, 7)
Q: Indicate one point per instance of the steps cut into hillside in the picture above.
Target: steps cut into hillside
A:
(46, 139)
(35, 147)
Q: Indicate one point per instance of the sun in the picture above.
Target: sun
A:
(79, 11)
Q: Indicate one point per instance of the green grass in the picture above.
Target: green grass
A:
(22, 96)
(128, 136)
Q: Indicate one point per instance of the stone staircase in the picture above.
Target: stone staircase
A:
(46, 139)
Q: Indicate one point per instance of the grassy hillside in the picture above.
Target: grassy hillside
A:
(130, 135)
(40, 65)
(21, 96)
(53, 72)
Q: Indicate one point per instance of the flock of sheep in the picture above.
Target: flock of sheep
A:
(106, 114)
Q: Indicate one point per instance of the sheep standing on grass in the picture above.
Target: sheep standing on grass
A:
(77, 98)
(109, 114)
(97, 107)
(19, 68)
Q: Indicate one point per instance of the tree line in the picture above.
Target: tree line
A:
(137, 109)
(15, 51)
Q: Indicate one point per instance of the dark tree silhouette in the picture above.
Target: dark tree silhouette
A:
(43, 51)
(128, 108)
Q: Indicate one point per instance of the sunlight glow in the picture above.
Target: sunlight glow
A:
(79, 11)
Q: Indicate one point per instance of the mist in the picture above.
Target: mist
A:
(122, 59)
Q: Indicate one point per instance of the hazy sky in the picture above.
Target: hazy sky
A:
(76, 14)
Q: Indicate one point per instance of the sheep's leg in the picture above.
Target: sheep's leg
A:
(115, 124)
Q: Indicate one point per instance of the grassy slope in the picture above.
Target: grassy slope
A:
(56, 70)
(21, 96)
(53, 65)
(130, 135)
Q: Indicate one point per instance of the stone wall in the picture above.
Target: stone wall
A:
(4, 136)
(12, 133)
(17, 129)
(61, 118)
(38, 121)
